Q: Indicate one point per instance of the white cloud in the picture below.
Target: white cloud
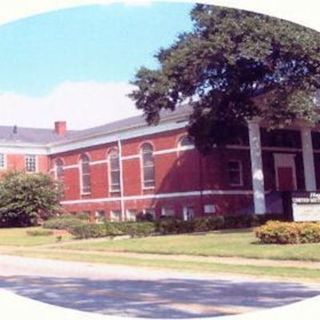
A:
(81, 104)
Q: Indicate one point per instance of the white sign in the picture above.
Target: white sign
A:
(306, 212)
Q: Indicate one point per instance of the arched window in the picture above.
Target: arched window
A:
(114, 166)
(185, 142)
(85, 174)
(59, 170)
(148, 173)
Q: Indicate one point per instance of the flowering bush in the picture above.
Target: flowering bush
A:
(288, 232)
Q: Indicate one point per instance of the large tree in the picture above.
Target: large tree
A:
(224, 66)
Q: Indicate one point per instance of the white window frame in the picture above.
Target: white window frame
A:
(56, 168)
(240, 184)
(131, 214)
(82, 192)
(4, 161)
(188, 147)
(115, 215)
(27, 156)
(165, 208)
(110, 171)
(144, 187)
(99, 216)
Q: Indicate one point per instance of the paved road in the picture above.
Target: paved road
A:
(140, 292)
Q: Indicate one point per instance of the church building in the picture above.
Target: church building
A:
(126, 167)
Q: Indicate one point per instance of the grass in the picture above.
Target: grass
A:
(223, 244)
(236, 243)
(287, 273)
(19, 237)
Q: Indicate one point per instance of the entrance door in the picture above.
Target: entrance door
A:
(285, 170)
(285, 179)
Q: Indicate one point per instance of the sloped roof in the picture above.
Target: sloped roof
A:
(47, 136)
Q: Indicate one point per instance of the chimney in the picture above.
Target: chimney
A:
(60, 127)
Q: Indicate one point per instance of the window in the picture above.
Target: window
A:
(185, 142)
(149, 213)
(147, 166)
(168, 211)
(131, 215)
(209, 208)
(188, 213)
(114, 170)
(85, 174)
(30, 163)
(235, 173)
(116, 215)
(2, 161)
(59, 170)
(100, 216)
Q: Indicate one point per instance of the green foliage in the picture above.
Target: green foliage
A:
(64, 222)
(112, 229)
(39, 233)
(220, 68)
(27, 198)
(288, 232)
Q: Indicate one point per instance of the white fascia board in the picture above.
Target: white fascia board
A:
(22, 148)
(115, 136)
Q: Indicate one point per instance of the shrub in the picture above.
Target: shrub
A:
(170, 225)
(40, 233)
(135, 229)
(25, 199)
(111, 229)
(288, 232)
(63, 223)
(82, 216)
(208, 224)
(87, 230)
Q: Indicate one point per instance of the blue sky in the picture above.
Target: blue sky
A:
(102, 43)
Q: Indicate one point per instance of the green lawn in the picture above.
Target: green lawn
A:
(236, 243)
(287, 273)
(19, 237)
(224, 244)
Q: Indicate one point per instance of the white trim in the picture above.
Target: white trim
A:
(97, 162)
(114, 136)
(285, 160)
(162, 196)
(71, 166)
(14, 148)
(134, 156)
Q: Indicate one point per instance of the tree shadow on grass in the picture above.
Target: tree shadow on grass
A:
(165, 298)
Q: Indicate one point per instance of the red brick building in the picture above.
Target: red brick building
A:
(126, 167)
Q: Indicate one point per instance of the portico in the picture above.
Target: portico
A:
(285, 169)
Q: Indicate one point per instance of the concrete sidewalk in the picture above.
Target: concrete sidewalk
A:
(16, 307)
(137, 292)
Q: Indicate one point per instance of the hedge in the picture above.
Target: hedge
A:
(81, 229)
(63, 223)
(112, 229)
(276, 232)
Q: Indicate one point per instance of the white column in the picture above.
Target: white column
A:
(256, 168)
(308, 160)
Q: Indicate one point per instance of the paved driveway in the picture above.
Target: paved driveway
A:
(140, 292)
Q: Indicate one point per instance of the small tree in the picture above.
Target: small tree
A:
(26, 198)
